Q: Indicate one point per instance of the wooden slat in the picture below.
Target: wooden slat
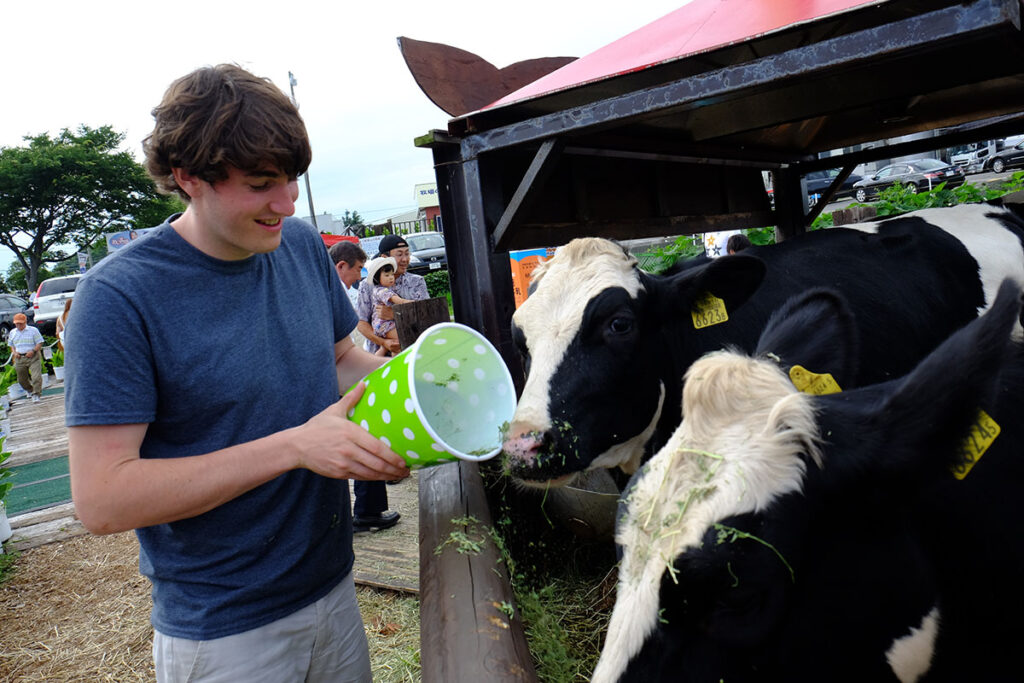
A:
(26, 537)
(465, 631)
(412, 319)
(390, 558)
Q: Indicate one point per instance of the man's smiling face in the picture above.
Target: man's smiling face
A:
(242, 214)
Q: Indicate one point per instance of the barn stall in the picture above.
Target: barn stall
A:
(669, 131)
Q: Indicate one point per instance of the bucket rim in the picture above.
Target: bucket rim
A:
(410, 370)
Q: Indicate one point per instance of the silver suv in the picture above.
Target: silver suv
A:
(50, 298)
(427, 252)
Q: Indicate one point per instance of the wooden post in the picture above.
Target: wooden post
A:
(468, 631)
(854, 214)
(412, 319)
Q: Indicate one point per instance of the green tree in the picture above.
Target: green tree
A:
(59, 195)
(351, 219)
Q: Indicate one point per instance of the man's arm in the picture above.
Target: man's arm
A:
(353, 363)
(114, 489)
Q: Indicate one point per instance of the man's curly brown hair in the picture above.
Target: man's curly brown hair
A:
(222, 116)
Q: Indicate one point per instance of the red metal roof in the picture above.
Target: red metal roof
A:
(699, 26)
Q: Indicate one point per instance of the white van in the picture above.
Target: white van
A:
(49, 301)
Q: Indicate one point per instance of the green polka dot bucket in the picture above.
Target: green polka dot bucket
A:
(446, 397)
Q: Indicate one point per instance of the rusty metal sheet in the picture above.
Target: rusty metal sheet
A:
(460, 82)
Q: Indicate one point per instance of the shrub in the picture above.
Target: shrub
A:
(660, 259)
(438, 283)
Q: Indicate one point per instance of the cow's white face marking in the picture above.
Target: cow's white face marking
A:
(738, 449)
(910, 657)
(997, 250)
(551, 317)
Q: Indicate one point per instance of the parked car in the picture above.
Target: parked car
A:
(427, 252)
(819, 181)
(9, 305)
(50, 298)
(1008, 158)
(922, 174)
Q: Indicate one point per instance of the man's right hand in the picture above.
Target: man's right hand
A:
(392, 345)
(332, 445)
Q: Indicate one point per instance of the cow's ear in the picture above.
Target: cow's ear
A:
(815, 331)
(732, 279)
(931, 409)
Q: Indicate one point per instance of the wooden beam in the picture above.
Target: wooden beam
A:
(529, 187)
(466, 630)
(412, 319)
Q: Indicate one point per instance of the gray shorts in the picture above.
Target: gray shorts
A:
(321, 643)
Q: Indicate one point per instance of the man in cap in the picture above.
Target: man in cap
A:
(26, 348)
(407, 286)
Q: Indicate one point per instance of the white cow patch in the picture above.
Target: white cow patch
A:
(738, 448)
(997, 250)
(910, 657)
(551, 317)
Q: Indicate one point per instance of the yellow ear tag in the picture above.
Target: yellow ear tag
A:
(708, 310)
(811, 382)
(983, 432)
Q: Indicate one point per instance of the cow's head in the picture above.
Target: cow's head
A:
(768, 539)
(601, 350)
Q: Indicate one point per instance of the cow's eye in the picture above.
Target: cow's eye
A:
(620, 325)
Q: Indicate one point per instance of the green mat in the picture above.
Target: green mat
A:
(39, 485)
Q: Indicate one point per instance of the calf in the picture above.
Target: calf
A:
(855, 536)
(606, 345)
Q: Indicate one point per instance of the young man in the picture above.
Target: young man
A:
(370, 511)
(407, 286)
(202, 400)
(26, 348)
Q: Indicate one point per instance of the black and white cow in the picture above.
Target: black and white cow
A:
(605, 345)
(780, 536)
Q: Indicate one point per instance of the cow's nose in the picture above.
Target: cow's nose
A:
(522, 445)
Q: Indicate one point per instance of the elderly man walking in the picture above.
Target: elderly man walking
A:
(26, 348)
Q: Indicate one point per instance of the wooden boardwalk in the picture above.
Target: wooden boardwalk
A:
(384, 559)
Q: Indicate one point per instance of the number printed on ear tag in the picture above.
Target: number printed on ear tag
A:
(981, 435)
(708, 310)
(812, 383)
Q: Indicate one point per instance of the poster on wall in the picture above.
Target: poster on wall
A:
(116, 240)
(714, 242)
(523, 263)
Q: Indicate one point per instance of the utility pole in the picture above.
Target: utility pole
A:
(309, 193)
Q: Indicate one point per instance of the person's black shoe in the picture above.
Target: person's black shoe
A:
(384, 520)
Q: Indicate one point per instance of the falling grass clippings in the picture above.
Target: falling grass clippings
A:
(728, 534)
(470, 541)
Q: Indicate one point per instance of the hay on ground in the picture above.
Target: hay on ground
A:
(78, 611)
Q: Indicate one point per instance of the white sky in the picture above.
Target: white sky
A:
(99, 62)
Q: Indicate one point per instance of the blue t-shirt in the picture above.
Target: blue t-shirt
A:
(210, 354)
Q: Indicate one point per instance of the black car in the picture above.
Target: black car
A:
(9, 305)
(923, 174)
(1008, 158)
(819, 181)
(427, 252)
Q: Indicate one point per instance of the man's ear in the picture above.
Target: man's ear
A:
(189, 183)
(816, 331)
(733, 279)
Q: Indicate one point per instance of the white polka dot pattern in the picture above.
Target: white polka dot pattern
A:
(461, 394)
